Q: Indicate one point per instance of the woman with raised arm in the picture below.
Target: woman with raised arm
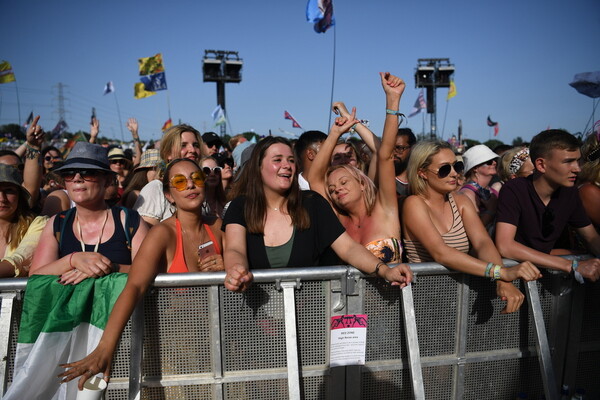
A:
(91, 239)
(181, 243)
(441, 226)
(370, 215)
(275, 224)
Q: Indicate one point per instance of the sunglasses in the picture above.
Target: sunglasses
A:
(122, 162)
(89, 175)
(209, 170)
(490, 162)
(445, 170)
(50, 158)
(180, 182)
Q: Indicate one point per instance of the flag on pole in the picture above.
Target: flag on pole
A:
(451, 90)
(295, 123)
(152, 77)
(167, 125)
(218, 115)
(6, 73)
(420, 104)
(29, 120)
(494, 124)
(320, 13)
(59, 324)
(59, 129)
(109, 88)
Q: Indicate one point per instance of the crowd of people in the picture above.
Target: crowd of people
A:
(374, 203)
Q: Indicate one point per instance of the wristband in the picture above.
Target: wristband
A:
(488, 268)
(496, 275)
(576, 274)
(376, 272)
(393, 112)
(70, 258)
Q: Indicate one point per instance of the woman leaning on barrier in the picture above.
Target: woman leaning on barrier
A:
(275, 224)
(184, 242)
(443, 226)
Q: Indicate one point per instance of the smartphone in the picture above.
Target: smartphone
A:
(206, 249)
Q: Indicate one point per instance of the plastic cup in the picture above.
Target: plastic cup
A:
(93, 389)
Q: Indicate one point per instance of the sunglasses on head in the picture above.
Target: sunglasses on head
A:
(90, 175)
(180, 182)
(209, 170)
(445, 170)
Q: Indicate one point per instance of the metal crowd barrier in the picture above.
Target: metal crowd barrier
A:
(441, 338)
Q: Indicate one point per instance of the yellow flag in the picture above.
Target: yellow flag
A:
(151, 65)
(139, 91)
(6, 72)
(451, 90)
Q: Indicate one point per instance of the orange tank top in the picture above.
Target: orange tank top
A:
(178, 264)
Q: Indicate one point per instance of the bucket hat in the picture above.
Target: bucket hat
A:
(10, 174)
(116, 154)
(150, 159)
(86, 155)
(477, 155)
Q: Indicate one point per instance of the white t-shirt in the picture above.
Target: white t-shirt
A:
(152, 202)
(303, 183)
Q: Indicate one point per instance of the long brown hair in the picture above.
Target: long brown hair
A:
(250, 184)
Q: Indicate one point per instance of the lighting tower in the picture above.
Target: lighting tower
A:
(433, 73)
(222, 67)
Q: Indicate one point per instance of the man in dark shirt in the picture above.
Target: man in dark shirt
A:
(533, 211)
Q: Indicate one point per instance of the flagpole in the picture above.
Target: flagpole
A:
(332, 77)
(18, 101)
(120, 121)
(444, 124)
(169, 104)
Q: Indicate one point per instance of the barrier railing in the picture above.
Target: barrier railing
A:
(443, 337)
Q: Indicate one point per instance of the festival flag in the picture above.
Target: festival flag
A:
(218, 116)
(59, 324)
(420, 104)
(494, 124)
(109, 88)
(139, 91)
(320, 13)
(153, 77)
(59, 129)
(29, 120)
(151, 65)
(295, 123)
(6, 73)
(154, 82)
(451, 90)
(167, 125)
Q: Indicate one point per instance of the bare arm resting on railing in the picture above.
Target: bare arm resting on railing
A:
(145, 267)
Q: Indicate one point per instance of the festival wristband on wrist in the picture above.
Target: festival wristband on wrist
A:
(576, 274)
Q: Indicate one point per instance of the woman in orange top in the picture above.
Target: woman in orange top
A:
(178, 244)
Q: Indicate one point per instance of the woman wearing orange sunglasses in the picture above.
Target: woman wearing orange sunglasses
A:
(181, 243)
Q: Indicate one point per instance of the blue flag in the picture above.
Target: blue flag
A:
(320, 13)
(154, 82)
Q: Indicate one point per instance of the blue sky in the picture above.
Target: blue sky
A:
(513, 59)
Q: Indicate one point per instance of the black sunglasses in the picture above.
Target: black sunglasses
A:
(90, 175)
(445, 170)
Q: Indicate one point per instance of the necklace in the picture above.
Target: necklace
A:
(99, 237)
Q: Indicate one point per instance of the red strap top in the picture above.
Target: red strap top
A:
(178, 265)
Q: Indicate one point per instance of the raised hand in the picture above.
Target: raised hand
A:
(392, 85)
(35, 134)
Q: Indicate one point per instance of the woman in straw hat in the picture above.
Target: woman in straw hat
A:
(92, 239)
(142, 174)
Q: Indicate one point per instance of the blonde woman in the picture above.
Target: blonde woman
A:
(441, 226)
